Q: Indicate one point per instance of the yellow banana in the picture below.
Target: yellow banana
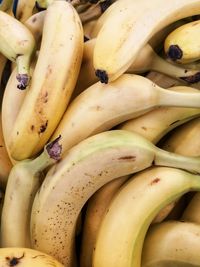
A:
(146, 60)
(181, 45)
(26, 257)
(6, 5)
(123, 228)
(101, 107)
(52, 83)
(153, 125)
(96, 208)
(5, 164)
(17, 44)
(24, 9)
(158, 122)
(185, 141)
(23, 182)
(131, 32)
(81, 172)
(87, 28)
(172, 243)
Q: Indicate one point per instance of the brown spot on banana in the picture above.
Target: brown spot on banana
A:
(131, 158)
(14, 260)
(155, 181)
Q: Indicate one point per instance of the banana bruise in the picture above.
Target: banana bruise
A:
(81, 172)
(23, 182)
(146, 60)
(18, 45)
(51, 88)
(110, 54)
(123, 229)
(26, 257)
(181, 44)
(101, 107)
(172, 243)
(96, 208)
(155, 124)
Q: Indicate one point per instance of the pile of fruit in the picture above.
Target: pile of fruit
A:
(100, 133)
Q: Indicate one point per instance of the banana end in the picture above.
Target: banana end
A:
(102, 76)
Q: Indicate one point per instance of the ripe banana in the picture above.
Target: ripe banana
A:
(17, 44)
(185, 141)
(123, 229)
(181, 45)
(87, 29)
(52, 83)
(172, 243)
(130, 33)
(5, 164)
(158, 122)
(96, 208)
(82, 171)
(23, 182)
(24, 9)
(101, 107)
(6, 5)
(26, 257)
(11, 104)
(146, 60)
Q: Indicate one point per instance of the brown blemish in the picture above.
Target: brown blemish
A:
(43, 127)
(34, 19)
(14, 260)
(174, 122)
(155, 181)
(144, 128)
(132, 158)
(32, 127)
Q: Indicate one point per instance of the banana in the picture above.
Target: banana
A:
(146, 60)
(17, 44)
(172, 243)
(87, 29)
(181, 44)
(53, 81)
(101, 107)
(130, 33)
(123, 228)
(26, 257)
(11, 104)
(5, 163)
(154, 124)
(96, 207)
(6, 5)
(81, 172)
(24, 9)
(23, 182)
(185, 141)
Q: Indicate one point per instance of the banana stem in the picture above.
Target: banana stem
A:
(178, 99)
(165, 158)
(161, 65)
(23, 76)
(50, 155)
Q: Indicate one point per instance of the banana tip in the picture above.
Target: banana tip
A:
(23, 80)
(54, 149)
(174, 52)
(192, 79)
(102, 75)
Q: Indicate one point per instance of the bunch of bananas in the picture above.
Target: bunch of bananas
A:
(99, 133)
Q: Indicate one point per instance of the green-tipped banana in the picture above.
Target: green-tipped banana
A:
(101, 107)
(17, 44)
(23, 182)
(123, 229)
(82, 171)
(182, 44)
(172, 243)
